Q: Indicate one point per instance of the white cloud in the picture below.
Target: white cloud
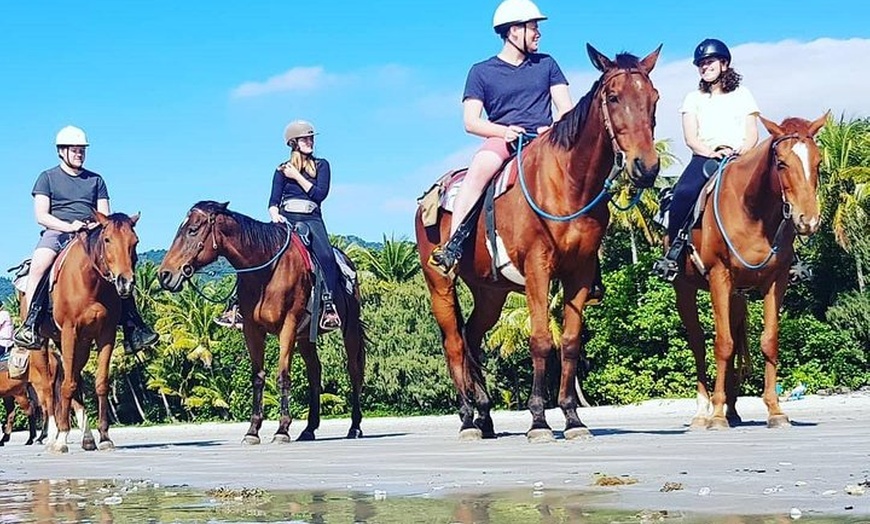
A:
(788, 78)
(295, 79)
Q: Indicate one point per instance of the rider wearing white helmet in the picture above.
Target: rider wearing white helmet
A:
(517, 89)
(65, 198)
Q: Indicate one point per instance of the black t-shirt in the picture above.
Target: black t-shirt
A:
(72, 197)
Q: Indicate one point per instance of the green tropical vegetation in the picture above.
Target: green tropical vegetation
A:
(635, 341)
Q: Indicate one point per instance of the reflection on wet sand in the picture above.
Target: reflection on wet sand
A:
(51, 501)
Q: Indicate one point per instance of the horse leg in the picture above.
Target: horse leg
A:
(445, 308)
(741, 353)
(67, 388)
(575, 298)
(314, 371)
(720, 294)
(286, 343)
(687, 306)
(487, 310)
(78, 407)
(770, 349)
(255, 340)
(354, 346)
(105, 342)
(540, 345)
(9, 404)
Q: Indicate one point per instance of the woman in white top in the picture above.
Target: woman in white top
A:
(5, 329)
(719, 120)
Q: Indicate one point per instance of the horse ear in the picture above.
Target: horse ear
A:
(649, 61)
(601, 62)
(772, 127)
(134, 218)
(224, 205)
(819, 122)
(101, 218)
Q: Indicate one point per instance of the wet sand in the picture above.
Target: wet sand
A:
(745, 470)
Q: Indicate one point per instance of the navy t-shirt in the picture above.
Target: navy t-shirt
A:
(72, 197)
(515, 95)
(284, 188)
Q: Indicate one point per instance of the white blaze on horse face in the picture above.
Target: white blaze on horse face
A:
(803, 152)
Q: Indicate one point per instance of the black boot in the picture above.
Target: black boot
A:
(596, 291)
(444, 258)
(27, 336)
(668, 267)
(137, 334)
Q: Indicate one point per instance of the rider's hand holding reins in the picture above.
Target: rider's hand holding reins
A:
(512, 133)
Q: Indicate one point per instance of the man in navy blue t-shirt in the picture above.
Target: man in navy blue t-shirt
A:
(517, 89)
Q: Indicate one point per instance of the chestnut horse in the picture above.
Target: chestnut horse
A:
(17, 391)
(567, 171)
(759, 201)
(274, 287)
(96, 273)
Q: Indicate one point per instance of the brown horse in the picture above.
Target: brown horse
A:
(17, 392)
(274, 287)
(96, 273)
(566, 171)
(759, 201)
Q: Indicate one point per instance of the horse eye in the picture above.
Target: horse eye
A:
(781, 164)
(612, 99)
(192, 231)
(106, 240)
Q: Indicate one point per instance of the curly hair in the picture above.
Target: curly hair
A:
(729, 80)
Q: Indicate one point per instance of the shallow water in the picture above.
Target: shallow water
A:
(80, 501)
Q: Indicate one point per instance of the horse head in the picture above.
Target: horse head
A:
(628, 100)
(115, 255)
(195, 245)
(795, 160)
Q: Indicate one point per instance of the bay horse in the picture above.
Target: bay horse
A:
(96, 273)
(759, 201)
(565, 172)
(274, 286)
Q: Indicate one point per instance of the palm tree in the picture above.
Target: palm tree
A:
(640, 216)
(395, 262)
(845, 149)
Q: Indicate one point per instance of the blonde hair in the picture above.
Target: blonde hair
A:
(302, 163)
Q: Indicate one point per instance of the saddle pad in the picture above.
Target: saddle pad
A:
(452, 181)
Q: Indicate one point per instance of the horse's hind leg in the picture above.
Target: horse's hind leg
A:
(741, 353)
(314, 371)
(354, 346)
(687, 306)
(487, 310)
(9, 404)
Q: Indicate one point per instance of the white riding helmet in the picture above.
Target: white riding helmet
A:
(298, 129)
(512, 12)
(71, 136)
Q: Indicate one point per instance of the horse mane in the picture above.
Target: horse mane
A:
(795, 125)
(567, 130)
(263, 236)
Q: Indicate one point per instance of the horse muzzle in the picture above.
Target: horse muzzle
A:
(643, 176)
(124, 286)
(806, 226)
(171, 281)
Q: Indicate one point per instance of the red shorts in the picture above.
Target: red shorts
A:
(498, 146)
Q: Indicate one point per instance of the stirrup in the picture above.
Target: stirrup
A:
(800, 271)
(444, 260)
(329, 319)
(666, 269)
(28, 338)
(230, 318)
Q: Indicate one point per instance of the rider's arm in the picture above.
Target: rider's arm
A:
(41, 208)
(561, 99)
(693, 141)
(472, 109)
(750, 136)
(320, 187)
(103, 206)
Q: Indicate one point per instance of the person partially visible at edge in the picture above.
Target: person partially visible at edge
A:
(719, 120)
(299, 187)
(65, 198)
(5, 330)
(517, 88)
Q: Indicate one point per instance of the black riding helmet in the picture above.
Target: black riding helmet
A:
(711, 47)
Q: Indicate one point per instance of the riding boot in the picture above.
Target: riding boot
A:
(444, 258)
(27, 336)
(230, 318)
(137, 334)
(596, 291)
(329, 317)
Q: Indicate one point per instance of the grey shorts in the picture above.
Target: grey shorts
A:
(53, 240)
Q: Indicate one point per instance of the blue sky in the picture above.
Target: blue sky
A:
(186, 101)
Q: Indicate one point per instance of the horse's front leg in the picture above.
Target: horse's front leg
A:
(255, 340)
(313, 370)
(770, 349)
(540, 345)
(286, 343)
(67, 389)
(720, 295)
(105, 343)
(487, 310)
(687, 307)
(575, 298)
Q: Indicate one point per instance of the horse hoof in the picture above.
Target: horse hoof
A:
(281, 438)
(354, 433)
(251, 440)
(29, 442)
(306, 436)
(469, 434)
(718, 423)
(778, 422)
(58, 448)
(579, 433)
(734, 420)
(89, 445)
(540, 435)
(107, 445)
(699, 423)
